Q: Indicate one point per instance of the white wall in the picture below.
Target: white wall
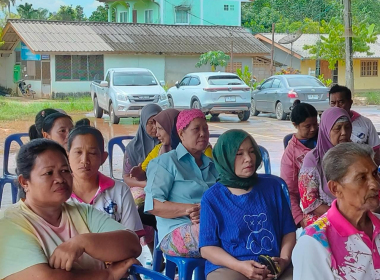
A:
(6, 71)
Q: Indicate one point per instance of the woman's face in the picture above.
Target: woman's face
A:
(151, 127)
(50, 182)
(245, 160)
(60, 131)
(195, 137)
(308, 129)
(340, 133)
(85, 156)
(162, 135)
(359, 188)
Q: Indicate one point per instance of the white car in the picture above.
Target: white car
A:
(212, 92)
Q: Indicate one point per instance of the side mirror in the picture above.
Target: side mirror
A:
(258, 87)
(162, 83)
(177, 84)
(104, 84)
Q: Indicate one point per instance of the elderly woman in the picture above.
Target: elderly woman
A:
(316, 198)
(304, 119)
(44, 237)
(244, 216)
(176, 183)
(344, 243)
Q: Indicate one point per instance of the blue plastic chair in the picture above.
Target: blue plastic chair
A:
(284, 186)
(266, 160)
(137, 270)
(186, 267)
(287, 139)
(111, 143)
(8, 177)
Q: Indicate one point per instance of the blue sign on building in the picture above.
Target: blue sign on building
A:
(26, 53)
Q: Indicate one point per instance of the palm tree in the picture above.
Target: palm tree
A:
(7, 3)
(26, 11)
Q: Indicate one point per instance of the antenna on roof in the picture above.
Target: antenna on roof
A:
(290, 39)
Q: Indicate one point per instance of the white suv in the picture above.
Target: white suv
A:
(213, 93)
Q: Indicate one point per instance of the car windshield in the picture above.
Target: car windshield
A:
(138, 78)
(224, 80)
(304, 82)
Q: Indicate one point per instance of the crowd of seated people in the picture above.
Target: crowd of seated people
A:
(73, 222)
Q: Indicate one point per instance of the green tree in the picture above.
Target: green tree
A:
(100, 14)
(332, 46)
(41, 14)
(214, 58)
(68, 13)
(7, 4)
(26, 11)
(79, 14)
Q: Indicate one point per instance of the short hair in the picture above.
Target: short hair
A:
(338, 159)
(28, 153)
(345, 90)
(84, 130)
(301, 112)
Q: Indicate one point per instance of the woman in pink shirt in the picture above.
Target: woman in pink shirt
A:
(304, 119)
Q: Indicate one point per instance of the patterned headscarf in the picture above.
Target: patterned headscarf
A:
(186, 116)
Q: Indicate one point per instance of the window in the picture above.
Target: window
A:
(368, 68)
(276, 83)
(194, 82)
(31, 69)
(123, 17)
(182, 16)
(136, 78)
(235, 66)
(148, 16)
(304, 82)
(225, 80)
(267, 84)
(185, 81)
(79, 67)
(232, 8)
(226, 7)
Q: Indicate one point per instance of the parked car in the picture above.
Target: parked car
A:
(278, 93)
(212, 92)
(125, 91)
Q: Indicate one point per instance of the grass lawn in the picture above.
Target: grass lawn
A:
(373, 97)
(22, 109)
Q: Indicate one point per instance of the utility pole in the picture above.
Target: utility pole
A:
(348, 40)
(272, 52)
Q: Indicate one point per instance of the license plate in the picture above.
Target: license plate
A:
(313, 97)
(230, 99)
(144, 97)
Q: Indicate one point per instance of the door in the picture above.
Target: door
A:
(101, 92)
(46, 78)
(134, 16)
(193, 89)
(273, 94)
(180, 94)
(324, 69)
(261, 96)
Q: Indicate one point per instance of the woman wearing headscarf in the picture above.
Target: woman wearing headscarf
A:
(176, 183)
(243, 215)
(335, 127)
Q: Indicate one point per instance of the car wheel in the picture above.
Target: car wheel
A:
(196, 105)
(113, 118)
(244, 116)
(215, 115)
(254, 112)
(98, 112)
(171, 103)
(280, 114)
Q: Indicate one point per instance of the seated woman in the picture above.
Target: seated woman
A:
(35, 130)
(304, 118)
(86, 155)
(243, 216)
(316, 198)
(46, 238)
(176, 183)
(344, 243)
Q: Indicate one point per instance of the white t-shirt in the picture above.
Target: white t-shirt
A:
(115, 199)
(363, 131)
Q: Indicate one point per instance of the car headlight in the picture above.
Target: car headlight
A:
(163, 97)
(121, 97)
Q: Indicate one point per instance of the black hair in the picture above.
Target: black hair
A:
(49, 121)
(301, 112)
(174, 137)
(83, 122)
(35, 131)
(84, 130)
(28, 153)
(345, 90)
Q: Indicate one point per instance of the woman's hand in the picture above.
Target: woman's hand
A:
(194, 213)
(120, 269)
(66, 254)
(282, 262)
(137, 172)
(254, 270)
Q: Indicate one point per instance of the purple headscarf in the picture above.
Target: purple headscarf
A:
(315, 156)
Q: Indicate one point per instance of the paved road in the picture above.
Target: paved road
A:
(266, 129)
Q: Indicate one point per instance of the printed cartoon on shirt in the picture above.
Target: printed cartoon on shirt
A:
(111, 209)
(260, 239)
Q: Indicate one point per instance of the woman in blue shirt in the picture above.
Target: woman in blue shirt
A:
(243, 216)
(176, 182)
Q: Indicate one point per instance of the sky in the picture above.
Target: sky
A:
(53, 5)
